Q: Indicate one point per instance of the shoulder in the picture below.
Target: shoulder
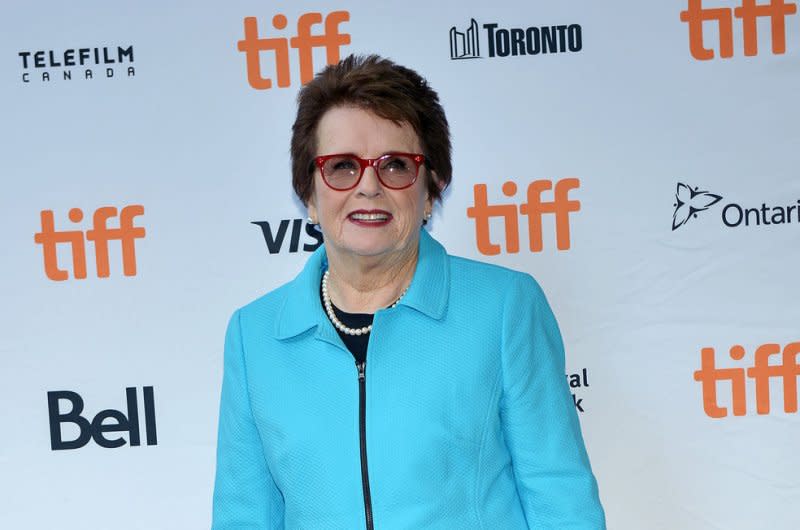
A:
(477, 275)
(492, 293)
(264, 310)
(496, 278)
(287, 305)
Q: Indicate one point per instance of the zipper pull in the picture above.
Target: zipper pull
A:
(361, 367)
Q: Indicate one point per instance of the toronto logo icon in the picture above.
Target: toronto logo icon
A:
(464, 44)
(689, 202)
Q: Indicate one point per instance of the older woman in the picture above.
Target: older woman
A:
(391, 385)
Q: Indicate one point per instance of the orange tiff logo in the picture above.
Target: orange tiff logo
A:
(534, 209)
(762, 372)
(304, 42)
(749, 12)
(100, 235)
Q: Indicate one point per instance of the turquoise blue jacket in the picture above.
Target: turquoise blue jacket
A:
(469, 419)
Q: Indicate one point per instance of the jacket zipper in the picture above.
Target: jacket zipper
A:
(362, 434)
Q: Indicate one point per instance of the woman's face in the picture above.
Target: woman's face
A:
(392, 231)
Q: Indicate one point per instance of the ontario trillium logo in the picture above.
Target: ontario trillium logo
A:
(689, 202)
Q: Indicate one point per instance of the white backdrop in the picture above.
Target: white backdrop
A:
(631, 114)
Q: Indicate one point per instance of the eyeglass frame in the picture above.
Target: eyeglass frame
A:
(418, 158)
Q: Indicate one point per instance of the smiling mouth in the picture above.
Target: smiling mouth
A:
(369, 217)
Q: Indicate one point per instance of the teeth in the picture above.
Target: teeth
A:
(369, 216)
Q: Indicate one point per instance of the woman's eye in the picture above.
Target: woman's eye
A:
(395, 164)
(344, 165)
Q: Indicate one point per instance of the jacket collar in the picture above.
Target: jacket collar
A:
(301, 309)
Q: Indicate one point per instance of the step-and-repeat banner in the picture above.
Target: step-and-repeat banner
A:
(640, 159)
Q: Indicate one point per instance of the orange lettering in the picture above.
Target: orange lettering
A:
(708, 375)
(331, 39)
(100, 235)
(790, 373)
(252, 46)
(777, 10)
(761, 372)
(695, 15)
(49, 238)
(482, 212)
(561, 206)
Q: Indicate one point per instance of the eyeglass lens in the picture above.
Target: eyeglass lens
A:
(395, 171)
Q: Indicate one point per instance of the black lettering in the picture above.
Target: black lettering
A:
(549, 40)
(747, 213)
(83, 54)
(125, 52)
(25, 56)
(314, 233)
(532, 38)
(789, 213)
(502, 42)
(45, 76)
(764, 214)
(106, 58)
(578, 403)
(778, 216)
(67, 75)
(725, 215)
(73, 416)
(98, 428)
(273, 244)
(38, 59)
(131, 71)
(133, 416)
(490, 33)
(517, 42)
(150, 416)
(88, 73)
(297, 226)
(585, 377)
(96, 56)
(109, 72)
(53, 61)
(69, 58)
(562, 38)
(574, 38)
(25, 78)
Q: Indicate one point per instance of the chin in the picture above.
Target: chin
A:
(369, 250)
(372, 245)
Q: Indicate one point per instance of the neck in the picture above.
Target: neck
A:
(359, 284)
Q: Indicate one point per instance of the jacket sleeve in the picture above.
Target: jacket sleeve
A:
(551, 468)
(245, 495)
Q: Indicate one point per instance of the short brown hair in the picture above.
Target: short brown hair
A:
(384, 88)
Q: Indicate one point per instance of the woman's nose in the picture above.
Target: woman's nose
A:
(370, 185)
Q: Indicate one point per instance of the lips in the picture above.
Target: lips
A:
(370, 217)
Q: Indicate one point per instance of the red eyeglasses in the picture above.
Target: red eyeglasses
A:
(343, 172)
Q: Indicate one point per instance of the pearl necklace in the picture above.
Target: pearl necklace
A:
(326, 300)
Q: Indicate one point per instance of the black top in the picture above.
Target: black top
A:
(357, 344)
